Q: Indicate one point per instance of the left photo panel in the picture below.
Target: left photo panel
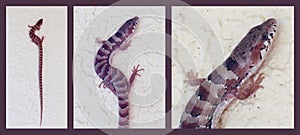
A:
(36, 67)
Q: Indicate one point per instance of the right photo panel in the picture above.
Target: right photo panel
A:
(233, 67)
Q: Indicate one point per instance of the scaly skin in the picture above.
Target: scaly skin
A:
(113, 78)
(39, 41)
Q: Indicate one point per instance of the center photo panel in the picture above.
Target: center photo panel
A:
(119, 67)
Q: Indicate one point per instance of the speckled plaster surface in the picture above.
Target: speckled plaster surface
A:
(203, 37)
(96, 107)
(22, 88)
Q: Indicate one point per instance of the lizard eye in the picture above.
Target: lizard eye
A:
(265, 36)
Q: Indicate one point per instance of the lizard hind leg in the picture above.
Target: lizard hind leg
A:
(135, 73)
(105, 85)
(99, 41)
(250, 87)
(40, 42)
(43, 37)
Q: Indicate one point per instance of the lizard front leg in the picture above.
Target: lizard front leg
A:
(193, 79)
(249, 87)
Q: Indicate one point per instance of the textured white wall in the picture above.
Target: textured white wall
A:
(22, 87)
(203, 37)
(96, 107)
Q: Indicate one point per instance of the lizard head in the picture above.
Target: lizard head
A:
(260, 36)
(268, 31)
(129, 27)
(39, 23)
